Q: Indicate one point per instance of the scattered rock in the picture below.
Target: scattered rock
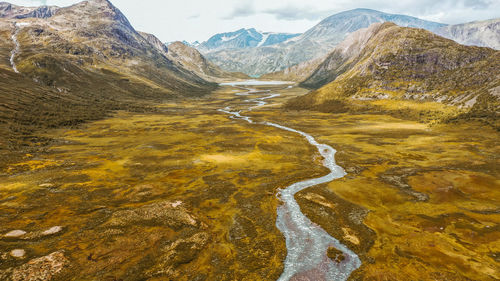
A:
(318, 199)
(18, 253)
(23, 235)
(15, 233)
(176, 204)
(349, 236)
(335, 254)
(52, 230)
(43, 268)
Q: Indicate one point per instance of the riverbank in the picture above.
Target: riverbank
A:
(102, 182)
(412, 193)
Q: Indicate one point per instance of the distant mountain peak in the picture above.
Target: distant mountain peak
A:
(8, 10)
(244, 38)
(478, 33)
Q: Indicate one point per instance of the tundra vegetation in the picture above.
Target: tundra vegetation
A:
(186, 193)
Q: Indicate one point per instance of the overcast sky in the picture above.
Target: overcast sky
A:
(192, 20)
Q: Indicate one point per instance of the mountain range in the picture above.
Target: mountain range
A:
(320, 39)
(242, 39)
(315, 42)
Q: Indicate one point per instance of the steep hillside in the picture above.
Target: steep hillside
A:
(478, 33)
(191, 59)
(317, 72)
(314, 43)
(298, 72)
(243, 38)
(78, 63)
(483, 34)
(94, 34)
(408, 72)
(344, 55)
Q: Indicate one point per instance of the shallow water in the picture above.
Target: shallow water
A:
(306, 242)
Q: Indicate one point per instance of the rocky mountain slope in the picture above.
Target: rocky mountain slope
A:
(8, 10)
(191, 59)
(478, 33)
(481, 33)
(243, 38)
(344, 55)
(78, 63)
(409, 72)
(317, 72)
(316, 42)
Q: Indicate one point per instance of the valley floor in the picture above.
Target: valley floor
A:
(188, 194)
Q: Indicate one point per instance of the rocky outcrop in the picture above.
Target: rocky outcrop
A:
(42, 268)
(162, 213)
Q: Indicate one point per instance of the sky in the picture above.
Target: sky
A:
(191, 20)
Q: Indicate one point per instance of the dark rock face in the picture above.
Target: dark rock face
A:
(8, 10)
(41, 12)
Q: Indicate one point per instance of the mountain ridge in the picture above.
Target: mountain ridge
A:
(243, 38)
(407, 71)
(78, 64)
(314, 43)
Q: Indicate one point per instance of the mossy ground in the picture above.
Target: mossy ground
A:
(225, 172)
(418, 202)
(429, 193)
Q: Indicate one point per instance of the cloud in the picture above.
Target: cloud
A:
(242, 10)
(291, 13)
(193, 17)
(478, 4)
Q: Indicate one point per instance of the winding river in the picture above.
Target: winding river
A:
(306, 242)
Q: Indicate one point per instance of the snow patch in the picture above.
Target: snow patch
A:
(229, 38)
(264, 39)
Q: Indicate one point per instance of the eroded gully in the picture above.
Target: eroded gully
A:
(15, 51)
(306, 242)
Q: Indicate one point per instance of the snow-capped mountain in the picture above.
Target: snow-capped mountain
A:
(243, 38)
(316, 42)
(335, 28)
